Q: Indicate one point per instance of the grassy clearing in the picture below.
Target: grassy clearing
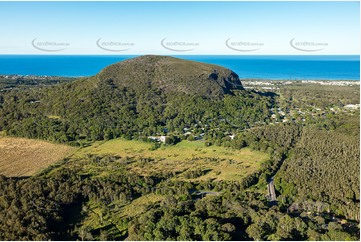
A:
(219, 163)
(26, 157)
(107, 159)
(53, 117)
(140, 205)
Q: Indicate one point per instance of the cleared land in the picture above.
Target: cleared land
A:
(107, 158)
(214, 162)
(26, 157)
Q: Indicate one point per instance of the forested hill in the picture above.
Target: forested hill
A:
(134, 98)
(171, 74)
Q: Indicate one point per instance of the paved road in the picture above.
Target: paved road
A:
(202, 194)
(206, 193)
(271, 191)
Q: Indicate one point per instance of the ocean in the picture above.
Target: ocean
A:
(260, 67)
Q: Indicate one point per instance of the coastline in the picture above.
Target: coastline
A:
(272, 67)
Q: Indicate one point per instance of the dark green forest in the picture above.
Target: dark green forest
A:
(314, 159)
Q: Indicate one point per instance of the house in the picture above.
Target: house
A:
(162, 138)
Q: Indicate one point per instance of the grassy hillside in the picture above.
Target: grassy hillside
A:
(187, 157)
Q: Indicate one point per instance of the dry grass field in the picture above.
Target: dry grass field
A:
(26, 157)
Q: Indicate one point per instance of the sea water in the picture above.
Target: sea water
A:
(255, 66)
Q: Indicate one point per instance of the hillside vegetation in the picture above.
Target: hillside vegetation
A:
(207, 180)
(171, 75)
(135, 98)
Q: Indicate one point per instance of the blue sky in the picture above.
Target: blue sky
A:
(186, 28)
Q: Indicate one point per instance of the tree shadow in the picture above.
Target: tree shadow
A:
(266, 94)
